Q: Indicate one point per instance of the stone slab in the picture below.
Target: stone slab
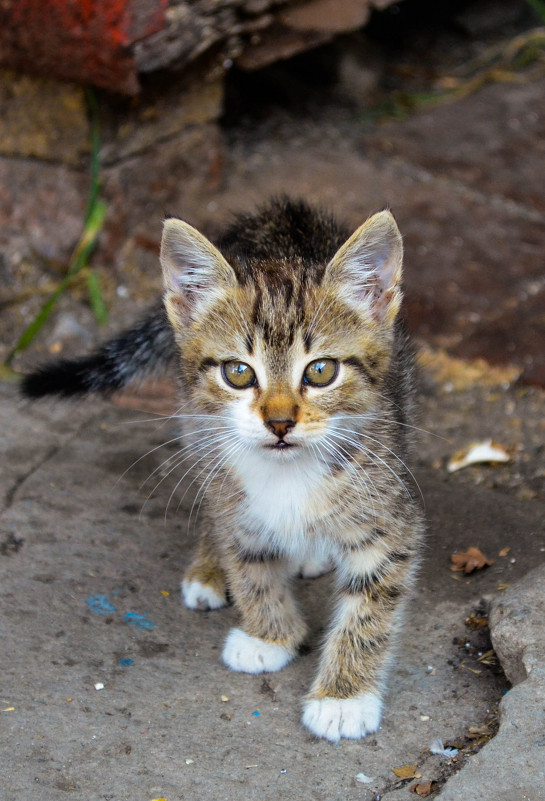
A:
(512, 765)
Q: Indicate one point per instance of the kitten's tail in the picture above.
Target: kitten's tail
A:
(145, 349)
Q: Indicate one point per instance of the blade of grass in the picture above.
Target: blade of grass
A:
(95, 214)
(39, 321)
(95, 296)
(78, 260)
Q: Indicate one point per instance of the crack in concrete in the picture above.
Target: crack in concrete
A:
(9, 497)
(11, 492)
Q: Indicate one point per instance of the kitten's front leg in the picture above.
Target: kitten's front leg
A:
(203, 586)
(345, 700)
(272, 627)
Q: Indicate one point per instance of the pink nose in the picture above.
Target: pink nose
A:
(280, 427)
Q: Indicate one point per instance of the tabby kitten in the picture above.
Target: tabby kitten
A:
(298, 380)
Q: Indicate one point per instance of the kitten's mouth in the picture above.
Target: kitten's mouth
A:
(280, 445)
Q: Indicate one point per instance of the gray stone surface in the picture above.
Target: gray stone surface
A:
(512, 765)
(517, 627)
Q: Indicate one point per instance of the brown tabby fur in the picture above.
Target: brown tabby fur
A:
(278, 309)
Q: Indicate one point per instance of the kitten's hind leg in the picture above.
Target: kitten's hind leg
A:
(272, 627)
(203, 585)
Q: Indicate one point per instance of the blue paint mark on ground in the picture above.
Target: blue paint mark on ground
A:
(100, 605)
(256, 713)
(126, 662)
(140, 621)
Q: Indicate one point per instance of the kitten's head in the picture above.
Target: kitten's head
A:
(282, 348)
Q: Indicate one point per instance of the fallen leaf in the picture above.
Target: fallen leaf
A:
(453, 374)
(478, 731)
(486, 452)
(407, 771)
(470, 560)
(488, 658)
(472, 670)
(504, 551)
(476, 622)
(502, 586)
(424, 789)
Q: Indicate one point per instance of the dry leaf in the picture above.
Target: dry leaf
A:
(486, 452)
(456, 374)
(472, 670)
(406, 772)
(424, 789)
(470, 560)
(504, 551)
(488, 658)
(478, 731)
(474, 622)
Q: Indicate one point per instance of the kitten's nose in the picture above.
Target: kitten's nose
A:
(280, 427)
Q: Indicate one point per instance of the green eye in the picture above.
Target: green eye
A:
(321, 372)
(238, 375)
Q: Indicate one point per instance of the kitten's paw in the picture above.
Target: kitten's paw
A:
(333, 718)
(312, 568)
(201, 596)
(251, 655)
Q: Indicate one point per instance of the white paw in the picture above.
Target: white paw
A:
(312, 568)
(252, 655)
(201, 596)
(334, 718)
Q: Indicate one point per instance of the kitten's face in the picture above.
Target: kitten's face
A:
(289, 381)
(283, 355)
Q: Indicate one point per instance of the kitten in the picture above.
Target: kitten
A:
(298, 378)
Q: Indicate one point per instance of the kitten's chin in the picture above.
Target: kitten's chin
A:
(282, 451)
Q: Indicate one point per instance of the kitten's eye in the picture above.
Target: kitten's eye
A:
(321, 372)
(238, 375)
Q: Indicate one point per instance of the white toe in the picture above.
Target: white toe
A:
(201, 596)
(252, 655)
(333, 718)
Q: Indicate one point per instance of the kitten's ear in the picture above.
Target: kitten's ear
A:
(367, 268)
(194, 271)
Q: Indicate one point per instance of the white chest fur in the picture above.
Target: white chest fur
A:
(285, 498)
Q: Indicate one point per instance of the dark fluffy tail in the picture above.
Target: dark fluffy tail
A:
(145, 349)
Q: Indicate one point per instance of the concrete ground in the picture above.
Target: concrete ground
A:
(110, 689)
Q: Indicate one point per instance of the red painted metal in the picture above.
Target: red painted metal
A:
(87, 41)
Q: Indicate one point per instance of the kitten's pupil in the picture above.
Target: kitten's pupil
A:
(238, 374)
(321, 372)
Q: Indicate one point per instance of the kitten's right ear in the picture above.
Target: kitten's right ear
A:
(194, 271)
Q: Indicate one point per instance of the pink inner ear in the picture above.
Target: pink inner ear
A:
(367, 268)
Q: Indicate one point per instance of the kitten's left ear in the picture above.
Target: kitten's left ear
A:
(367, 268)
(194, 271)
